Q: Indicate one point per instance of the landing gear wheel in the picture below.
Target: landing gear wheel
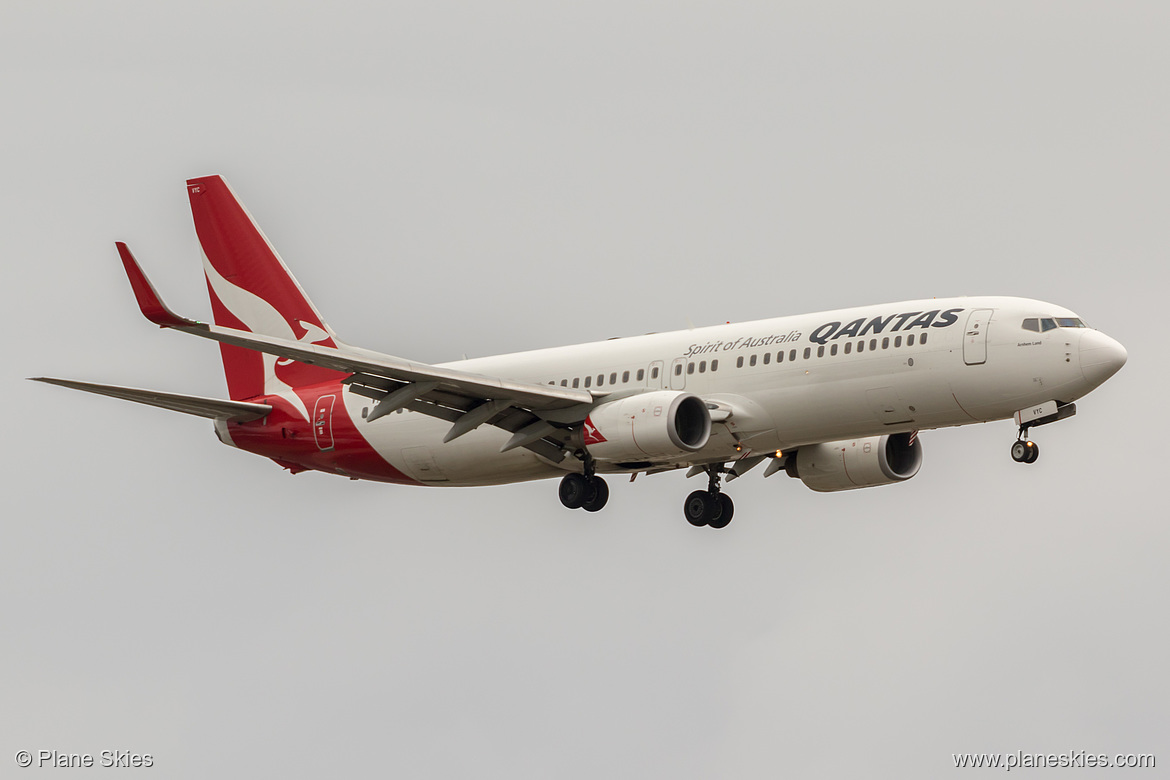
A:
(573, 491)
(699, 507)
(1025, 451)
(725, 510)
(596, 494)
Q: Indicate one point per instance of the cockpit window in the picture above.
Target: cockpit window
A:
(1046, 324)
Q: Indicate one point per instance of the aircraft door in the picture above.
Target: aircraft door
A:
(654, 375)
(975, 337)
(678, 374)
(323, 422)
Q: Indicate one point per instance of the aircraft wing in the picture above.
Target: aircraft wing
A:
(395, 382)
(213, 408)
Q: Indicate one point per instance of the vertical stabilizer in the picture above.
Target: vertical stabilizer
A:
(251, 289)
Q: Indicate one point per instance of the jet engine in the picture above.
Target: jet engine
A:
(857, 463)
(659, 425)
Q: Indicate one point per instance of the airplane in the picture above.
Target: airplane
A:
(835, 399)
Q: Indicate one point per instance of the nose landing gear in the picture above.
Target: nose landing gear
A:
(709, 507)
(1024, 450)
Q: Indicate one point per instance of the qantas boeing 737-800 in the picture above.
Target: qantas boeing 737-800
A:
(835, 399)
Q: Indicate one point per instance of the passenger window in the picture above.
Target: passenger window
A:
(821, 351)
(767, 358)
(923, 339)
(653, 373)
(600, 380)
(702, 366)
(715, 365)
(1032, 324)
(833, 349)
(872, 344)
(576, 381)
(678, 369)
(613, 378)
(780, 356)
(564, 383)
(886, 343)
(642, 374)
(848, 347)
(690, 368)
(910, 340)
(861, 346)
(792, 355)
(897, 341)
(625, 377)
(807, 352)
(1047, 324)
(588, 381)
(739, 362)
(752, 360)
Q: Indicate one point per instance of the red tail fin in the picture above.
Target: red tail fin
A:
(252, 289)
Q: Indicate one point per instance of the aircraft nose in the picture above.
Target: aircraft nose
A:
(1101, 356)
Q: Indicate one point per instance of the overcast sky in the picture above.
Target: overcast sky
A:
(474, 178)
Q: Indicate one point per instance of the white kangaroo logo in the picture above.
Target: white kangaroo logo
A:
(260, 316)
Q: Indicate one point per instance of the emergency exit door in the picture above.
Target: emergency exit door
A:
(975, 337)
(323, 422)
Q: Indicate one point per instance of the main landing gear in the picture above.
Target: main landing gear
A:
(1024, 450)
(584, 491)
(710, 506)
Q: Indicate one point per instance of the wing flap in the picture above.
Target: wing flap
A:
(212, 408)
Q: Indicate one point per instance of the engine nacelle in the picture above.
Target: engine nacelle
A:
(857, 463)
(660, 425)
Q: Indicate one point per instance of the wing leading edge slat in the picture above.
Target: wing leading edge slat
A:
(526, 394)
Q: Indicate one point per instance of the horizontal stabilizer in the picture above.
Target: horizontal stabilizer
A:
(214, 408)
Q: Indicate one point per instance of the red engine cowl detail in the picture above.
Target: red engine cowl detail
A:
(857, 463)
(590, 433)
(661, 425)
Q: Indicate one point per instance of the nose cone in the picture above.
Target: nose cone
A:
(1101, 357)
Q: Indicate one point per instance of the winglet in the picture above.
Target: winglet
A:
(152, 306)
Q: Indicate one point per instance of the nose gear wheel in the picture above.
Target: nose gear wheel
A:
(1024, 450)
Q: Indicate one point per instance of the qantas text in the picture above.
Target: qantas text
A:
(835, 330)
(929, 319)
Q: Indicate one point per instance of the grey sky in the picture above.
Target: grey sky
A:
(453, 178)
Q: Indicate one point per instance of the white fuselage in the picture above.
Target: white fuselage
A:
(785, 382)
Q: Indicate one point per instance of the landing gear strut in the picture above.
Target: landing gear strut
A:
(710, 506)
(1025, 451)
(584, 491)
